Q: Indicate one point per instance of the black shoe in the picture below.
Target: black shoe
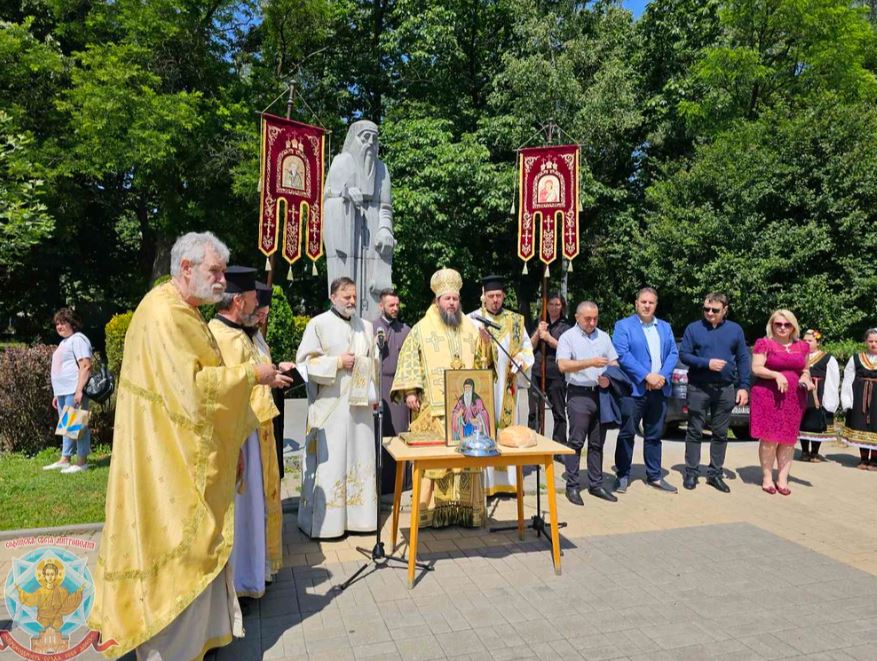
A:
(689, 481)
(600, 492)
(573, 496)
(718, 483)
(662, 485)
(621, 484)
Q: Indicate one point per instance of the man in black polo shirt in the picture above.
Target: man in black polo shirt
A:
(544, 339)
(719, 372)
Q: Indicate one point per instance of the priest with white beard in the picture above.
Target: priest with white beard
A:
(337, 352)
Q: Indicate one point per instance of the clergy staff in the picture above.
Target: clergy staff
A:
(396, 414)
(337, 352)
(511, 365)
(444, 339)
(162, 582)
(257, 553)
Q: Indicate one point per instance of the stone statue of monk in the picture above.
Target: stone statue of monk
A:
(358, 218)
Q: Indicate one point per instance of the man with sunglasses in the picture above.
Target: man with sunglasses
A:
(719, 373)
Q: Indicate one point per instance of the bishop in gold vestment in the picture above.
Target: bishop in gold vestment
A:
(161, 582)
(444, 339)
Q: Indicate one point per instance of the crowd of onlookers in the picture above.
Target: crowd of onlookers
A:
(595, 381)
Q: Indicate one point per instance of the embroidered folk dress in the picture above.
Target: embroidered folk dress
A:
(338, 481)
(774, 416)
(859, 397)
(818, 422)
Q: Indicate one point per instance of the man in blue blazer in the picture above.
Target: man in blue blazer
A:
(647, 354)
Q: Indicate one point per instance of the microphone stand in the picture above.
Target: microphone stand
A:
(537, 522)
(377, 556)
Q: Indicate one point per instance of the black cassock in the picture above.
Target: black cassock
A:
(396, 416)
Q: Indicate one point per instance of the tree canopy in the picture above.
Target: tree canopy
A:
(726, 144)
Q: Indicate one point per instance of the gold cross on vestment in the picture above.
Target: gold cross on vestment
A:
(434, 339)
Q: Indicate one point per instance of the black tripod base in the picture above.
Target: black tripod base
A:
(379, 559)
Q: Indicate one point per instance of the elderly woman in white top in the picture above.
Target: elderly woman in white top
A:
(71, 369)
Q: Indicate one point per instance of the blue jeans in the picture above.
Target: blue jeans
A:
(651, 409)
(83, 443)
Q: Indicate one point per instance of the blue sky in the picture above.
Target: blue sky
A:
(636, 6)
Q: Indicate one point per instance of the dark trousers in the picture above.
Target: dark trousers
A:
(650, 409)
(556, 391)
(718, 400)
(583, 407)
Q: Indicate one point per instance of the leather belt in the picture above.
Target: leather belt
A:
(573, 388)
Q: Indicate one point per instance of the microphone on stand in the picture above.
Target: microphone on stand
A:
(486, 322)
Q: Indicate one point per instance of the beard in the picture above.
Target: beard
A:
(250, 320)
(205, 291)
(452, 319)
(467, 399)
(366, 178)
(346, 311)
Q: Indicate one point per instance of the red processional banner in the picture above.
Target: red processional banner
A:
(548, 184)
(292, 188)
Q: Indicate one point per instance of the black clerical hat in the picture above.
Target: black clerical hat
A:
(239, 279)
(263, 292)
(493, 282)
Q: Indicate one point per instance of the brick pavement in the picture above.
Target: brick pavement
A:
(696, 575)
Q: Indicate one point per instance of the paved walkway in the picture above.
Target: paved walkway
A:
(695, 575)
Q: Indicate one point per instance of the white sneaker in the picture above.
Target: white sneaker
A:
(56, 465)
(75, 468)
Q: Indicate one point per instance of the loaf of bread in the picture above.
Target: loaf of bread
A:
(517, 436)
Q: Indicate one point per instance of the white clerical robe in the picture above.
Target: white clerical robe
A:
(514, 339)
(338, 480)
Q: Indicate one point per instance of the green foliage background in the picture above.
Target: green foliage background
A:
(725, 144)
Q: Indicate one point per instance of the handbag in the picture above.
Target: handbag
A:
(100, 385)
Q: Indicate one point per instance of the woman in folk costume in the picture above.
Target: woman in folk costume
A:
(858, 397)
(444, 339)
(818, 423)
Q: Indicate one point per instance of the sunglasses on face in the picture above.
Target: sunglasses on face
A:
(707, 308)
(782, 324)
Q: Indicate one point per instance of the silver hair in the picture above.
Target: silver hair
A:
(584, 305)
(193, 246)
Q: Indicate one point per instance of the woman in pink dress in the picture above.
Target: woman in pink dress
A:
(779, 397)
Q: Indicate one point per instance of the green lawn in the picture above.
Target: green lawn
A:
(34, 498)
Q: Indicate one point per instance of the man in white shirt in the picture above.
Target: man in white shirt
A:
(583, 352)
